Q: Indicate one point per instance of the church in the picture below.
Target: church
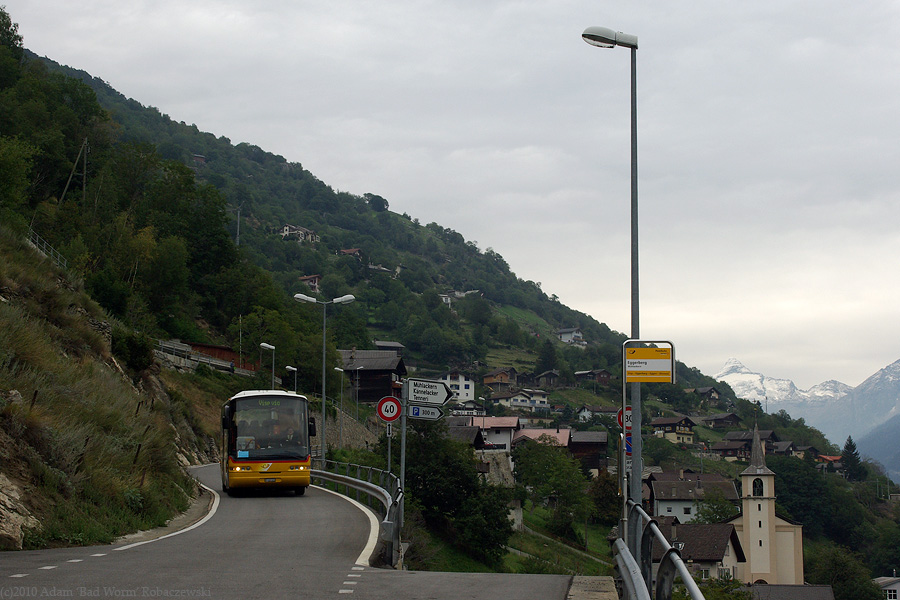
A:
(773, 546)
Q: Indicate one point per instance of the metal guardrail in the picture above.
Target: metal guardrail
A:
(378, 485)
(46, 249)
(636, 578)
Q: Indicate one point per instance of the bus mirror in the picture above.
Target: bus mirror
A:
(226, 417)
(312, 426)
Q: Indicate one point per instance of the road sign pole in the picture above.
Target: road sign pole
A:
(404, 398)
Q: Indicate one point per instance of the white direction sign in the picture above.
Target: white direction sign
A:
(428, 413)
(427, 391)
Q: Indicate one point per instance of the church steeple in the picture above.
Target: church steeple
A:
(757, 457)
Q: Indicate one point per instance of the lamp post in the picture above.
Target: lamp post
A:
(604, 37)
(357, 391)
(294, 371)
(266, 346)
(341, 417)
(342, 300)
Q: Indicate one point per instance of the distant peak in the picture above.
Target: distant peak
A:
(732, 365)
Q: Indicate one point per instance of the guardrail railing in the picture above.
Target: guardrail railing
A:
(637, 577)
(376, 484)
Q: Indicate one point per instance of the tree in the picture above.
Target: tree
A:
(552, 477)
(844, 571)
(441, 477)
(714, 507)
(802, 493)
(376, 202)
(547, 359)
(853, 467)
(604, 492)
(9, 34)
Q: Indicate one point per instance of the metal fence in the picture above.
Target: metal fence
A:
(46, 249)
(370, 485)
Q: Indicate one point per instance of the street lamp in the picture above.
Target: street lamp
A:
(341, 417)
(604, 37)
(342, 300)
(294, 371)
(266, 346)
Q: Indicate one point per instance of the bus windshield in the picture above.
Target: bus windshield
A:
(268, 427)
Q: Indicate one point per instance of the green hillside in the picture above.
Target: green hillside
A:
(144, 211)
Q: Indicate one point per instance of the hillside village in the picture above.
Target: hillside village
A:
(754, 545)
(154, 254)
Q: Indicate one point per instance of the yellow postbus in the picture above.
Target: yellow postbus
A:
(265, 441)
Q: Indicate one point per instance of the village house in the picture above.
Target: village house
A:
(395, 347)
(732, 450)
(377, 373)
(547, 378)
(301, 234)
(586, 413)
(710, 551)
(559, 436)
(571, 335)
(527, 400)
(468, 408)
(497, 432)
(462, 386)
(678, 430)
(601, 376)
(721, 421)
(500, 380)
(590, 448)
(707, 394)
(677, 494)
(767, 436)
(312, 281)
(890, 587)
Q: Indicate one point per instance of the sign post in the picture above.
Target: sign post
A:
(642, 361)
(422, 399)
(389, 410)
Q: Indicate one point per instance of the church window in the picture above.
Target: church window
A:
(757, 487)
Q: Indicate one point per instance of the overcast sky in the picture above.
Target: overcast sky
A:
(768, 141)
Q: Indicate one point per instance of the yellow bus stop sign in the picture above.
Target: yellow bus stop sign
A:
(649, 365)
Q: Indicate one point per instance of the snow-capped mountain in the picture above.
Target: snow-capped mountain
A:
(777, 393)
(869, 412)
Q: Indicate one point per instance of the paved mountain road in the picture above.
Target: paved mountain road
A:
(257, 546)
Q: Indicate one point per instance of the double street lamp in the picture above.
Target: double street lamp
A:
(342, 300)
(603, 37)
(265, 346)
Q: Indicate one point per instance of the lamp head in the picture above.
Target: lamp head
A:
(291, 369)
(304, 298)
(604, 37)
(266, 346)
(344, 299)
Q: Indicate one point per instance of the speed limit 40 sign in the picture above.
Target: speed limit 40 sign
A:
(388, 409)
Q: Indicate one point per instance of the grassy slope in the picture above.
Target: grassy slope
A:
(95, 458)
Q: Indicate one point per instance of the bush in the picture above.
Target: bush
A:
(133, 348)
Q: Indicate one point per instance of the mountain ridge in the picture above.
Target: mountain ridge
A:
(870, 412)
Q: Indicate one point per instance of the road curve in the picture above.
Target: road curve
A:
(258, 546)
